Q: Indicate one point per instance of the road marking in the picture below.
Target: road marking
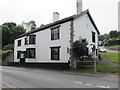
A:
(95, 85)
(7, 85)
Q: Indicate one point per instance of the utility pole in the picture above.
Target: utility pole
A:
(94, 57)
(95, 70)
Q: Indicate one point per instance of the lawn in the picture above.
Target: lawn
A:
(114, 57)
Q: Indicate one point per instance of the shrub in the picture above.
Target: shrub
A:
(80, 48)
(5, 53)
(8, 47)
(112, 42)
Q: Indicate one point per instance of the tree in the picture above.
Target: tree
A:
(9, 24)
(10, 31)
(113, 34)
(112, 42)
(8, 47)
(42, 25)
(80, 50)
(101, 38)
(5, 35)
(32, 23)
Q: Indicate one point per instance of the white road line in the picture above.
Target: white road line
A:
(95, 85)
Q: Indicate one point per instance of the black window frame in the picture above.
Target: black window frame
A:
(28, 53)
(18, 54)
(93, 37)
(55, 33)
(33, 41)
(26, 42)
(19, 43)
(53, 53)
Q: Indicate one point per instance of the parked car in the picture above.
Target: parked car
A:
(101, 49)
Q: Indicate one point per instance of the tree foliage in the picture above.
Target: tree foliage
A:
(8, 47)
(112, 42)
(111, 39)
(5, 54)
(80, 48)
(9, 24)
(9, 33)
(113, 34)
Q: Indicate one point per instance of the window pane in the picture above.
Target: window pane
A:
(93, 37)
(55, 33)
(19, 42)
(32, 39)
(55, 53)
(55, 57)
(18, 54)
(30, 53)
(25, 41)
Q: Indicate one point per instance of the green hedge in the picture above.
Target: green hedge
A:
(8, 47)
(112, 42)
(5, 53)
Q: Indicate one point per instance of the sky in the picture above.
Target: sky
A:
(103, 12)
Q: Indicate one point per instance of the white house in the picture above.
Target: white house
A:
(51, 43)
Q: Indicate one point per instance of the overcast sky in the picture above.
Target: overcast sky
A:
(104, 12)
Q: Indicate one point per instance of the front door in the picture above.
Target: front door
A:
(22, 57)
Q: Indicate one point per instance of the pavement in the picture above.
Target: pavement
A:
(14, 77)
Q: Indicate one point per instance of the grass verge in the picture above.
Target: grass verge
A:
(114, 57)
(101, 68)
(117, 46)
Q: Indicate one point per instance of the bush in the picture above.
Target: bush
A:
(112, 42)
(5, 53)
(8, 47)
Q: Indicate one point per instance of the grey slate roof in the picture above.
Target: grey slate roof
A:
(62, 21)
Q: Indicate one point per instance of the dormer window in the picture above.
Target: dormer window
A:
(55, 33)
(32, 39)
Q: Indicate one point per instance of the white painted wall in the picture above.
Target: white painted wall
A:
(83, 28)
(20, 48)
(43, 44)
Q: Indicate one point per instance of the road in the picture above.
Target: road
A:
(13, 77)
(112, 51)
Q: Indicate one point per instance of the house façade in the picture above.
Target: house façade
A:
(51, 43)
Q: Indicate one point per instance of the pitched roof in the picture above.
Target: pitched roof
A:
(62, 21)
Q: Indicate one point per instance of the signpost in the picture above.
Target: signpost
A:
(94, 57)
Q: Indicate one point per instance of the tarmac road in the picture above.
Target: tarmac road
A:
(41, 78)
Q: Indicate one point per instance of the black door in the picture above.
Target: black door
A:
(22, 57)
